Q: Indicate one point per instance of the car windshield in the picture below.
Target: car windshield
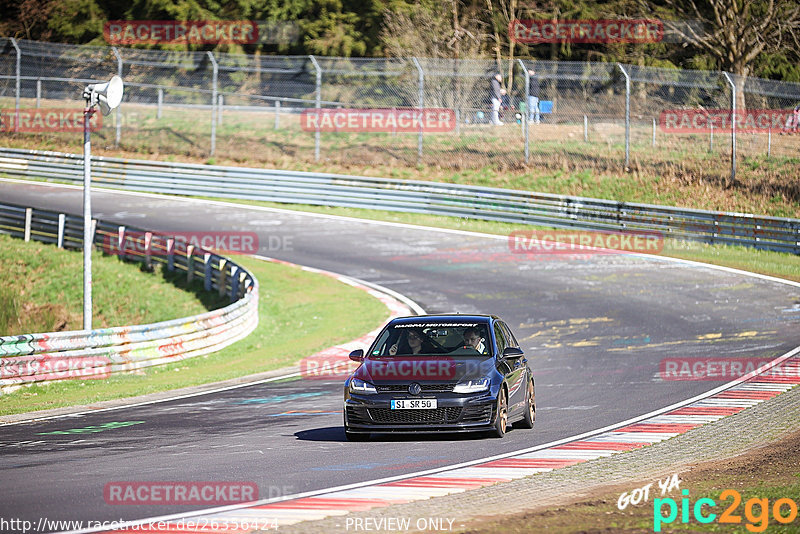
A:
(423, 339)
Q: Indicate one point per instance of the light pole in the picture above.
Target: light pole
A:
(108, 97)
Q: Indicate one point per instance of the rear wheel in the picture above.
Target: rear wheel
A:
(530, 408)
(501, 421)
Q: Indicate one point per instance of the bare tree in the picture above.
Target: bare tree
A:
(735, 32)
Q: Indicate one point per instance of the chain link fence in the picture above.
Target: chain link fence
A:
(250, 107)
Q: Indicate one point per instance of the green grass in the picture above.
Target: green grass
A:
(300, 313)
(41, 290)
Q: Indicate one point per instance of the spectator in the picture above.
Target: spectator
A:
(496, 94)
(533, 97)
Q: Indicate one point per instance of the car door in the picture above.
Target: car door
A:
(516, 375)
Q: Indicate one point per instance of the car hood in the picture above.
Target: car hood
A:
(424, 369)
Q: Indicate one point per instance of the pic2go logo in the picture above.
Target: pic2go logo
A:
(756, 511)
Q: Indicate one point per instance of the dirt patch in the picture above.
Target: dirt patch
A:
(775, 467)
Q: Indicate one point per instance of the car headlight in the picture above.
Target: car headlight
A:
(364, 388)
(472, 386)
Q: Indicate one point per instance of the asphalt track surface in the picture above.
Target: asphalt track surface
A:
(594, 330)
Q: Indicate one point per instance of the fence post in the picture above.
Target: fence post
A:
(769, 142)
(421, 104)
(733, 124)
(318, 104)
(220, 104)
(117, 119)
(160, 102)
(277, 114)
(654, 132)
(18, 78)
(711, 138)
(585, 129)
(214, 76)
(627, 116)
(527, 113)
(38, 92)
(61, 220)
(28, 219)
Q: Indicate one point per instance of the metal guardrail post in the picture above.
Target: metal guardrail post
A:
(214, 78)
(527, 113)
(117, 118)
(627, 116)
(18, 80)
(318, 104)
(421, 104)
(733, 125)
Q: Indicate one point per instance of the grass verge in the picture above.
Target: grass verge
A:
(41, 290)
(300, 313)
(769, 473)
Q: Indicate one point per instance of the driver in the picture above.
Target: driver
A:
(473, 339)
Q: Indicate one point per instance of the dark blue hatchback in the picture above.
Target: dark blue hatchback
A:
(440, 373)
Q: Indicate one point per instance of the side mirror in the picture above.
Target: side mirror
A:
(512, 353)
(357, 355)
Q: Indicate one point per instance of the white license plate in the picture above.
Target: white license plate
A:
(414, 404)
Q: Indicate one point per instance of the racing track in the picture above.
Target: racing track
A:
(594, 331)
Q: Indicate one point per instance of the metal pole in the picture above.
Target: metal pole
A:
(318, 104)
(214, 76)
(733, 125)
(277, 114)
(627, 116)
(711, 138)
(585, 129)
(160, 102)
(87, 218)
(38, 92)
(220, 104)
(117, 118)
(421, 104)
(18, 80)
(654, 132)
(769, 142)
(527, 114)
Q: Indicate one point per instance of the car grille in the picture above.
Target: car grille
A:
(477, 414)
(412, 417)
(393, 388)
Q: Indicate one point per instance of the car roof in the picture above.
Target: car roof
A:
(448, 318)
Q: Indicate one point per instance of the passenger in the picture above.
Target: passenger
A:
(412, 342)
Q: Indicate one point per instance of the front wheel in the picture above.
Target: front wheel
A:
(530, 408)
(501, 421)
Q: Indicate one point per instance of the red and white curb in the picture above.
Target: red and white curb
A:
(748, 391)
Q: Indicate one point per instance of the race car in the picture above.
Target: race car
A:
(440, 373)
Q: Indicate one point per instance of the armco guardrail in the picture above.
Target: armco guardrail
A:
(487, 203)
(100, 352)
